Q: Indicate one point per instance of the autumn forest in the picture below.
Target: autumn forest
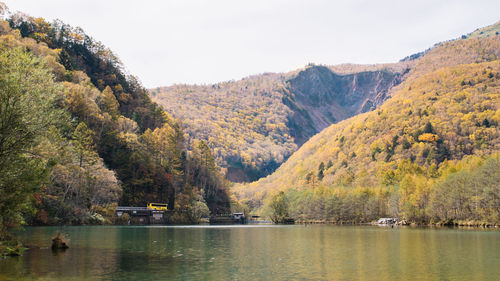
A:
(418, 139)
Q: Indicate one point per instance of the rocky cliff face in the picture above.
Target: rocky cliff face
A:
(254, 124)
(318, 97)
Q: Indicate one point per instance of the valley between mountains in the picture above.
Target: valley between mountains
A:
(355, 142)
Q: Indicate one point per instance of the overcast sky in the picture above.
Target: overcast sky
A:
(207, 41)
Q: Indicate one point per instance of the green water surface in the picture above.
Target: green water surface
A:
(260, 252)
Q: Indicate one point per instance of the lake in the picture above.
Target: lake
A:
(258, 252)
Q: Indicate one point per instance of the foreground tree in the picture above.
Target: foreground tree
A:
(28, 99)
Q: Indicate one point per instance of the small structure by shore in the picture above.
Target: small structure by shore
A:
(235, 218)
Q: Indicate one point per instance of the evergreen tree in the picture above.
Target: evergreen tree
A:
(207, 159)
(108, 103)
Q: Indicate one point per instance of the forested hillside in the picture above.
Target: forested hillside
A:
(429, 153)
(78, 135)
(256, 123)
(489, 31)
(244, 122)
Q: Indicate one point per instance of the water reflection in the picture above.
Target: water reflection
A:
(259, 253)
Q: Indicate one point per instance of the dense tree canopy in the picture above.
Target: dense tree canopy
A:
(28, 106)
(394, 160)
(77, 135)
(254, 124)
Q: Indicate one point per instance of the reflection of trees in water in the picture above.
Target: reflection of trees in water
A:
(79, 261)
(257, 253)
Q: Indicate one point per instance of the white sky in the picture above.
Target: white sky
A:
(207, 41)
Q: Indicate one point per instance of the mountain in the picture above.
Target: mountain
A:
(489, 31)
(422, 155)
(319, 97)
(254, 124)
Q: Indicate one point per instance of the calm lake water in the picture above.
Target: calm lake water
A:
(261, 252)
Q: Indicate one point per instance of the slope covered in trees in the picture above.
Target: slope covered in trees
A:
(244, 122)
(489, 31)
(77, 135)
(256, 123)
(429, 153)
(49, 167)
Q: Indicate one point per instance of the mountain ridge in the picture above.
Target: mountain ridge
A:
(444, 113)
(289, 95)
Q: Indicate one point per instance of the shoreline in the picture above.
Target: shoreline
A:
(303, 222)
(470, 224)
